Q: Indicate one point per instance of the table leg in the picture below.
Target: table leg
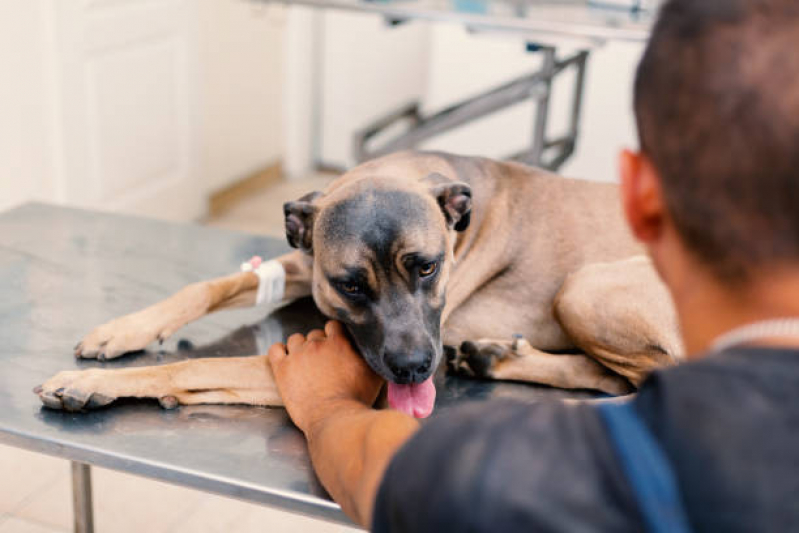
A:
(82, 498)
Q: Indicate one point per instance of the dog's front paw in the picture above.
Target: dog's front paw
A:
(129, 333)
(75, 390)
(479, 358)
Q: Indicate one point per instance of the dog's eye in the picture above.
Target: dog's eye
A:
(350, 288)
(428, 269)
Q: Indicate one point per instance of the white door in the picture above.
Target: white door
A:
(126, 80)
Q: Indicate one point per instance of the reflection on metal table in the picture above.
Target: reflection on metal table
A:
(65, 271)
(544, 26)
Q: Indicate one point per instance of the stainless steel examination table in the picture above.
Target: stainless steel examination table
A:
(65, 271)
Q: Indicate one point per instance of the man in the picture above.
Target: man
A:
(714, 195)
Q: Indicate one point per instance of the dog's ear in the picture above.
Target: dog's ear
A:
(299, 219)
(454, 197)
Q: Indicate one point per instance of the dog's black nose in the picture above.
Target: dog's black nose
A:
(410, 367)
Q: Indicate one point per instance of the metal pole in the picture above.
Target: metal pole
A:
(577, 99)
(82, 498)
(567, 144)
(542, 109)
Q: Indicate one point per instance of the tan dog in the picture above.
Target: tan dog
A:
(496, 264)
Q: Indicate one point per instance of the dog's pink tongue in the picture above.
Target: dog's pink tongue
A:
(415, 400)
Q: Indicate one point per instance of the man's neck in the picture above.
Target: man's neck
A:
(708, 309)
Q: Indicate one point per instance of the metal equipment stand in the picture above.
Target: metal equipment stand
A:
(543, 152)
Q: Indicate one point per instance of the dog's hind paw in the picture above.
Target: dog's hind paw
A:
(479, 358)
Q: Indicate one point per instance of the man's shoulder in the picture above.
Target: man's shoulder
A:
(728, 376)
(727, 423)
(728, 392)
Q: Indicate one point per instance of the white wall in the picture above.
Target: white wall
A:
(368, 69)
(69, 117)
(241, 70)
(608, 121)
(27, 166)
(243, 53)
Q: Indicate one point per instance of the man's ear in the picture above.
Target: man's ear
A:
(642, 197)
(299, 219)
(455, 199)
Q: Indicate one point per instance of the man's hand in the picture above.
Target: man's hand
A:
(329, 390)
(320, 373)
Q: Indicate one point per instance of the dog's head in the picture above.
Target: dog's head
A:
(382, 252)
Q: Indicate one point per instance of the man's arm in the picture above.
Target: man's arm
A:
(495, 466)
(351, 450)
(328, 391)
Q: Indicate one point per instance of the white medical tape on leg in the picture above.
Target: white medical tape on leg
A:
(271, 280)
(271, 283)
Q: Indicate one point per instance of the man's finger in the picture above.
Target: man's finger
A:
(276, 353)
(295, 342)
(316, 335)
(334, 327)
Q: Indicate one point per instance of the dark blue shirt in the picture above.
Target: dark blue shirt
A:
(729, 425)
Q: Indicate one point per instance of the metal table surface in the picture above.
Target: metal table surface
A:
(65, 271)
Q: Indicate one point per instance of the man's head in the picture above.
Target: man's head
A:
(717, 107)
(382, 252)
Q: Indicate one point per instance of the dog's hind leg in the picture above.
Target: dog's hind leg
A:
(516, 360)
(482, 339)
(235, 380)
(621, 315)
(135, 331)
(618, 314)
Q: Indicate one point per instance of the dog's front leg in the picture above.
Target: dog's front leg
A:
(235, 380)
(135, 331)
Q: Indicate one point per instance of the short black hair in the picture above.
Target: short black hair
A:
(717, 108)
